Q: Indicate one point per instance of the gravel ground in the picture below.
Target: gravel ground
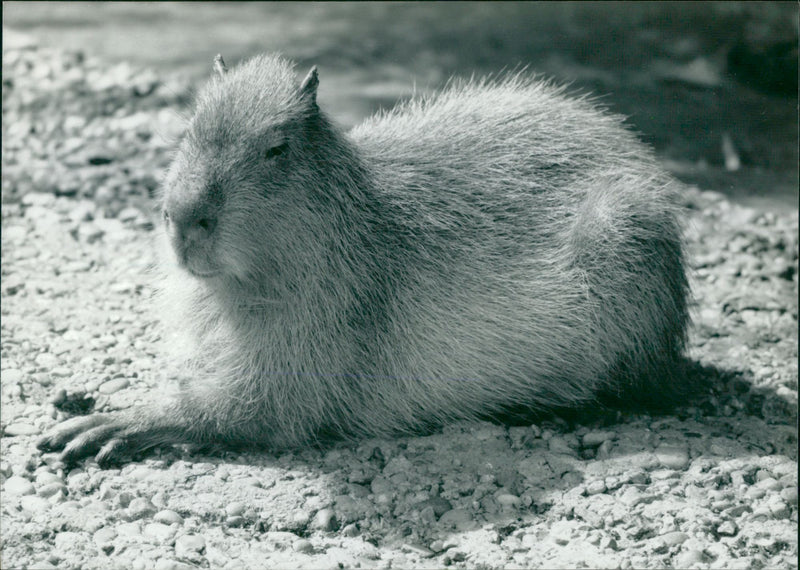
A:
(712, 486)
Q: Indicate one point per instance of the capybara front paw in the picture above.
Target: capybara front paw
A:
(82, 437)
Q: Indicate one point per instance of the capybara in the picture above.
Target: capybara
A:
(500, 244)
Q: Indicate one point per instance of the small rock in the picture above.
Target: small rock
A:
(12, 376)
(508, 500)
(15, 234)
(46, 360)
(113, 386)
(162, 533)
(737, 511)
(350, 530)
(596, 487)
(38, 199)
(632, 496)
(561, 532)
(128, 214)
(34, 504)
(672, 457)
(768, 484)
(104, 536)
(461, 519)
(779, 509)
(558, 444)
(51, 489)
(88, 232)
(189, 545)
(439, 505)
(421, 551)
(381, 486)
(46, 478)
(674, 538)
(235, 509)
(325, 520)
(437, 545)
(68, 540)
(140, 508)
(727, 528)
(789, 494)
(59, 398)
(20, 428)
(595, 438)
(609, 543)
(18, 486)
(303, 545)
(236, 521)
(689, 558)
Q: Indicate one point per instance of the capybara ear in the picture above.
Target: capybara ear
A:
(219, 65)
(308, 88)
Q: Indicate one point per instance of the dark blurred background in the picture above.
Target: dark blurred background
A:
(712, 86)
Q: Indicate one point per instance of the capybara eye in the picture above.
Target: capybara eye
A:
(276, 151)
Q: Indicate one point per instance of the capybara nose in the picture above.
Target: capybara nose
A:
(189, 224)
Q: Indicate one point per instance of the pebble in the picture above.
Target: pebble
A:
(21, 428)
(89, 233)
(727, 528)
(12, 376)
(162, 533)
(562, 532)
(34, 504)
(235, 509)
(68, 540)
(140, 508)
(189, 545)
(421, 551)
(46, 478)
(755, 493)
(52, 489)
(303, 545)
(18, 486)
(672, 457)
(789, 494)
(688, 558)
(47, 360)
(438, 504)
(596, 487)
(558, 444)
(595, 438)
(508, 500)
(608, 542)
(779, 510)
(350, 530)
(768, 484)
(674, 538)
(325, 520)
(632, 496)
(104, 536)
(113, 386)
(460, 519)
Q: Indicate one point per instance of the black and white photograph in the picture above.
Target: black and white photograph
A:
(387, 285)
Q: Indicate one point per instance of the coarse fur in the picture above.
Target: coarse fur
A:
(497, 245)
